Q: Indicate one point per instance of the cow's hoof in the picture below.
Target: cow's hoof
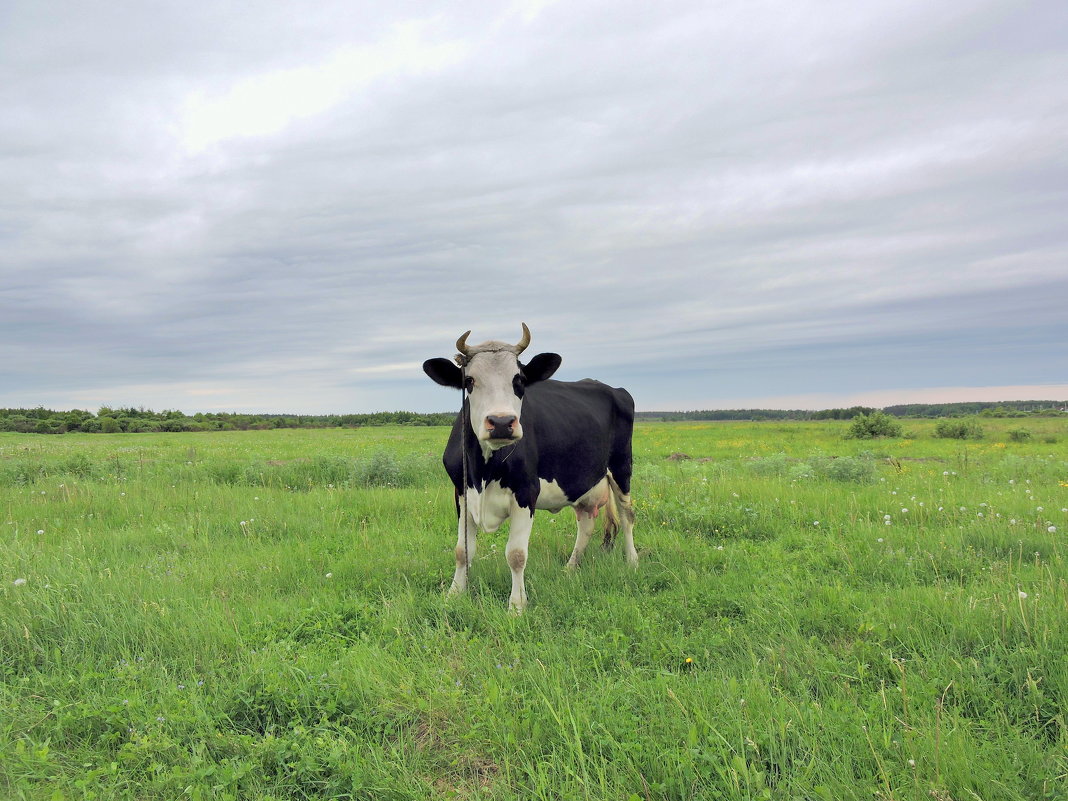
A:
(571, 567)
(454, 591)
(517, 607)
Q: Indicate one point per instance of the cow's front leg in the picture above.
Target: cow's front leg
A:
(521, 522)
(465, 550)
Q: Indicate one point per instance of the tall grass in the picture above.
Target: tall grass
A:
(260, 615)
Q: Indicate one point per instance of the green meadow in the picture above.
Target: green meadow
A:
(261, 615)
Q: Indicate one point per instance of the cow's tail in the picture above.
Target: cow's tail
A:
(611, 513)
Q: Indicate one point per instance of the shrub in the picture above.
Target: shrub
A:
(958, 429)
(876, 424)
(1019, 435)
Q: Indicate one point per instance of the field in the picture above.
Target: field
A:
(260, 615)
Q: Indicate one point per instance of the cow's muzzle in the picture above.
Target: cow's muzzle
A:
(501, 427)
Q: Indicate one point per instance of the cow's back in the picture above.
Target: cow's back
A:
(579, 430)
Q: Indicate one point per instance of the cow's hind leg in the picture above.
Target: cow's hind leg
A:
(465, 549)
(626, 521)
(585, 531)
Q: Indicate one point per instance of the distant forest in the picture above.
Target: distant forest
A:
(1030, 408)
(109, 420)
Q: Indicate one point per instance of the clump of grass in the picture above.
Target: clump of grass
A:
(958, 429)
(872, 426)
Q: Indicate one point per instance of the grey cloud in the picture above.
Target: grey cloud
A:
(771, 186)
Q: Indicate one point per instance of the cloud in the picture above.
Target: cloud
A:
(704, 203)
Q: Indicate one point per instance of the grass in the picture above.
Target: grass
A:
(261, 615)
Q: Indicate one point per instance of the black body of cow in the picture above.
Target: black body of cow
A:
(576, 431)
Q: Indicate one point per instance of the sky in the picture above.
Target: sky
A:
(287, 207)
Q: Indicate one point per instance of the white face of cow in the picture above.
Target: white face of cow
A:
(494, 381)
(494, 388)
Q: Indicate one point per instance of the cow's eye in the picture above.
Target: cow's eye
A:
(518, 385)
(469, 384)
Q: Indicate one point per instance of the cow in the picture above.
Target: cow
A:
(530, 442)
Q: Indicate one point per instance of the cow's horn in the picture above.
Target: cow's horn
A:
(524, 341)
(461, 344)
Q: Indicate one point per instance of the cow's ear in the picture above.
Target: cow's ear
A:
(444, 372)
(541, 367)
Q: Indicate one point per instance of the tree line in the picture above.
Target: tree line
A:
(108, 420)
(1030, 408)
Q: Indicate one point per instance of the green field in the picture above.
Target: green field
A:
(256, 615)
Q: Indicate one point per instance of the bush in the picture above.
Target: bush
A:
(1019, 435)
(958, 429)
(876, 424)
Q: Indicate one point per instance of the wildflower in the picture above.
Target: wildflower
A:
(40, 531)
(19, 582)
(912, 763)
(815, 522)
(904, 511)
(888, 522)
(1012, 521)
(329, 575)
(880, 539)
(244, 522)
(1052, 529)
(160, 718)
(1038, 508)
(1022, 594)
(689, 661)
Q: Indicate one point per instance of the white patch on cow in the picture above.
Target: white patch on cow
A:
(491, 506)
(551, 498)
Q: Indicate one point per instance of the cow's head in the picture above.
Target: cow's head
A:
(494, 380)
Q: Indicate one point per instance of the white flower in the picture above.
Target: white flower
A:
(815, 522)
(19, 582)
(40, 531)
(1038, 508)
(888, 522)
(1022, 594)
(244, 522)
(1052, 529)
(1012, 480)
(880, 539)
(945, 472)
(912, 763)
(329, 575)
(904, 511)
(886, 517)
(1012, 521)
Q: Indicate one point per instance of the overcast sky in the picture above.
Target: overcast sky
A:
(287, 207)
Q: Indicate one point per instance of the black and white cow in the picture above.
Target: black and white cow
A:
(534, 443)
